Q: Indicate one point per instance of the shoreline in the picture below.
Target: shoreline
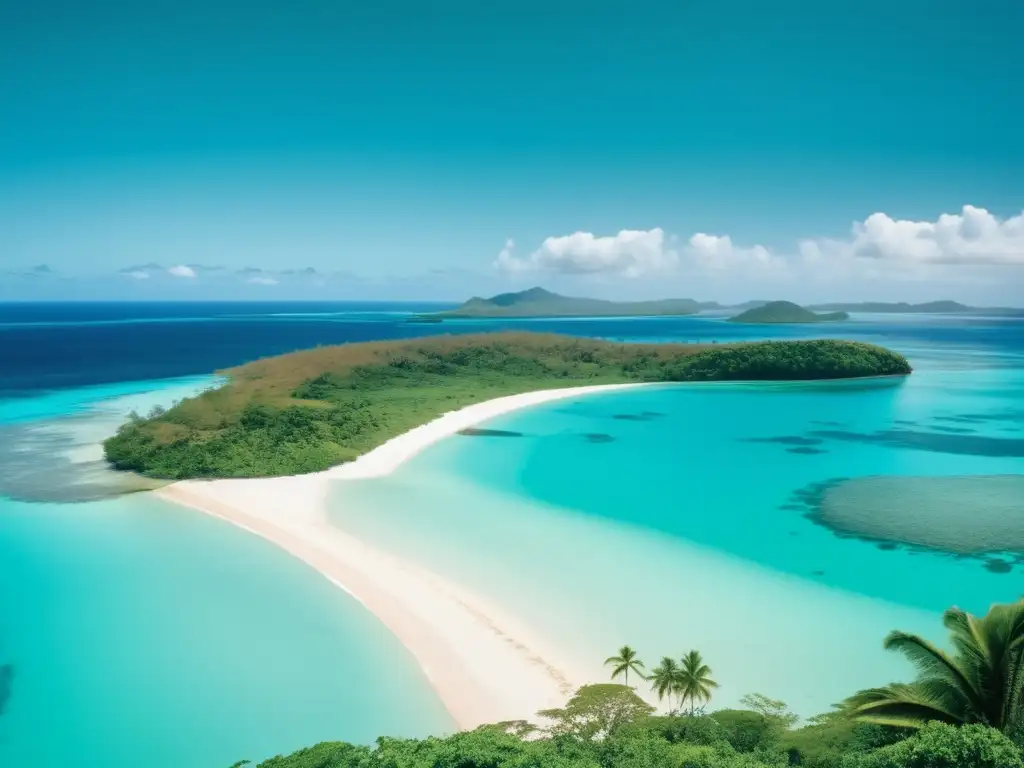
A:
(484, 665)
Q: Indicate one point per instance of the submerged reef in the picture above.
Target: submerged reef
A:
(6, 683)
(977, 516)
(480, 432)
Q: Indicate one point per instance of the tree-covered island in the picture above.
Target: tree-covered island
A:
(786, 312)
(537, 302)
(311, 410)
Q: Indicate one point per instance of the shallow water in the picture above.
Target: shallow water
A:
(680, 516)
(144, 634)
(141, 633)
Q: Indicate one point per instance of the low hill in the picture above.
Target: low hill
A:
(537, 302)
(785, 312)
(945, 307)
(937, 307)
(310, 410)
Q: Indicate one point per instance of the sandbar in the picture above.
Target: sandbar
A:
(485, 665)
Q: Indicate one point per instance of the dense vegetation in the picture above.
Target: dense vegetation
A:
(310, 410)
(963, 711)
(536, 302)
(785, 312)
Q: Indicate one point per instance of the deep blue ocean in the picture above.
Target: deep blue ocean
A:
(126, 623)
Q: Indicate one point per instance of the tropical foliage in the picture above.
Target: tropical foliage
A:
(665, 679)
(609, 726)
(624, 662)
(982, 681)
(695, 683)
(310, 410)
(682, 682)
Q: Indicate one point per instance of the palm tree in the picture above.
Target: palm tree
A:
(625, 662)
(694, 682)
(982, 681)
(665, 679)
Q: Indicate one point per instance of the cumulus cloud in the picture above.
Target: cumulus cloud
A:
(38, 271)
(181, 270)
(972, 237)
(630, 253)
(141, 271)
(718, 253)
(949, 249)
(262, 280)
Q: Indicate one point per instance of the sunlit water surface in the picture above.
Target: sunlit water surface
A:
(671, 518)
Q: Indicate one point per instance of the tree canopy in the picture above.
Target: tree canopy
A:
(311, 410)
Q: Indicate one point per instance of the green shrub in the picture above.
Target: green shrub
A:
(938, 745)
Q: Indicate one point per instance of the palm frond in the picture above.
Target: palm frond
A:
(899, 704)
(933, 662)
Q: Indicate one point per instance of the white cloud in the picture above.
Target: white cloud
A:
(630, 253)
(181, 270)
(262, 280)
(947, 251)
(138, 274)
(718, 254)
(506, 260)
(974, 236)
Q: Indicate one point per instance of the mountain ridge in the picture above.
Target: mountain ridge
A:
(538, 302)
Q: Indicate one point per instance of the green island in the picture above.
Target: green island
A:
(786, 312)
(942, 307)
(537, 302)
(310, 410)
(965, 709)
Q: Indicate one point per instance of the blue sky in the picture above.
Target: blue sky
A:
(725, 150)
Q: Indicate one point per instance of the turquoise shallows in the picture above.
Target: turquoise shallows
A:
(142, 633)
(674, 517)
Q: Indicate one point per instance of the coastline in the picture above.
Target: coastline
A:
(484, 665)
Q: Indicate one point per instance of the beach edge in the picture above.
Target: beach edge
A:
(484, 665)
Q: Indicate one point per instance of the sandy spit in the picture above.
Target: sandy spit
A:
(484, 664)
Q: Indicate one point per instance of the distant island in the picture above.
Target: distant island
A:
(945, 307)
(537, 302)
(310, 410)
(786, 312)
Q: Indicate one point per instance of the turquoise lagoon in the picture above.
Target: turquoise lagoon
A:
(676, 517)
(145, 634)
(141, 633)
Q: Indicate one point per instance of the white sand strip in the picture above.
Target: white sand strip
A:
(484, 665)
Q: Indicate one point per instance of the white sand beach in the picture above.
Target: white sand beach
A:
(485, 665)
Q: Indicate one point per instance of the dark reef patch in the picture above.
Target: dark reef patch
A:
(785, 440)
(964, 516)
(961, 419)
(998, 566)
(955, 430)
(817, 574)
(806, 450)
(905, 422)
(642, 416)
(966, 445)
(598, 437)
(826, 423)
(6, 684)
(478, 432)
